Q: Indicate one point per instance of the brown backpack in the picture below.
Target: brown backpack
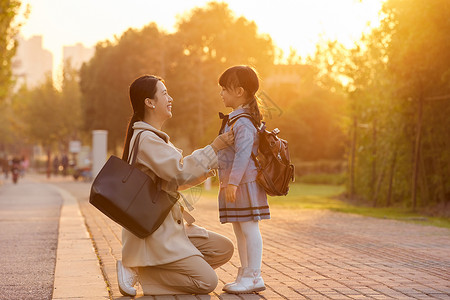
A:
(275, 170)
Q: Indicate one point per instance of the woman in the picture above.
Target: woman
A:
(175, 259)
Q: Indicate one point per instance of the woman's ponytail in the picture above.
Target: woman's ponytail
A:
(142, 88)
(129, 135)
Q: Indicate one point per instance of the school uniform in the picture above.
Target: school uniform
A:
(237, 167)
(175, 259)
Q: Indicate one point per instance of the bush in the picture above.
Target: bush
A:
(323, 178)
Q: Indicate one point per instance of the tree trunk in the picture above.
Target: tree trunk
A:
(379, 181)
(374, 161)
(426, 195)
(438, 170)
(49, 163)
(417, 155)
(391, 179)
(352, 159)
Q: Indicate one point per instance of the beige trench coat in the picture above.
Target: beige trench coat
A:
(157, 155)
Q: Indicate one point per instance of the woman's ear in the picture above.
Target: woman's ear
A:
(148, 102)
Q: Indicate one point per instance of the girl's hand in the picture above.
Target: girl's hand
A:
(230, 193)
(222, 141)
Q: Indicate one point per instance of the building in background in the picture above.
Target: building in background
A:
(77, 54)
(32, 62)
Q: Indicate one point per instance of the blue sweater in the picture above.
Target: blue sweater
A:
(236, 165)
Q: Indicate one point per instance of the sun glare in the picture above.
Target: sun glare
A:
(300, 25)
(297, 25)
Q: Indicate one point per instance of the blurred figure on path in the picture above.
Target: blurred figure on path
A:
(4, 164)
(15, 169)
(56, 165)
(24, 164)
(65, 164)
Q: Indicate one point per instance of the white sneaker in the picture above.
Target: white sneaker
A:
(251, 282)
(127, 278)
(238, 278)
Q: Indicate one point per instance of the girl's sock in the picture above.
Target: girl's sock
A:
(254, 243)
(241, 244)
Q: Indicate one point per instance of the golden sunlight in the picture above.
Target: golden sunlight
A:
(297, 25)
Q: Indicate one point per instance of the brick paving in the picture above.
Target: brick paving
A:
(309, 254)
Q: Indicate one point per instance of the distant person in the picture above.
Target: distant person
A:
(177, 258)
(5, 166)
(15, 169)
(64, 164)
(56, 165)
(24, 164)
(242, 201)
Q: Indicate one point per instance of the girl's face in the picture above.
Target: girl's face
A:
(232, 97)
(163, 102)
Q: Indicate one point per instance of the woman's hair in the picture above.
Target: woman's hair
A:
(142, 88)
(247, 78)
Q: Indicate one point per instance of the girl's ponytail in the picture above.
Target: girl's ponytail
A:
(254, 110)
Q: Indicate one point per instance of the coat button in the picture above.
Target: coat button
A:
(179, 221)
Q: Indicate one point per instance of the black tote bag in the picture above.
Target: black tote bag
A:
(129, 196)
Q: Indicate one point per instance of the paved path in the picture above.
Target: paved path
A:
(310, 254)
(29, 217)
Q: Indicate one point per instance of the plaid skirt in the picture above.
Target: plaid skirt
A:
(250, 205)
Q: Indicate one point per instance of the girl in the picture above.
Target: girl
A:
(242, 201)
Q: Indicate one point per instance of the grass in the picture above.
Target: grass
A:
(319, 196)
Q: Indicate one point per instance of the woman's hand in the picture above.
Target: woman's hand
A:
(230, 193)
(222, 141)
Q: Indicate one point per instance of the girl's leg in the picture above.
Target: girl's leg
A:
(250, 280)
(254, 244)
(242, 249)
(241, 244)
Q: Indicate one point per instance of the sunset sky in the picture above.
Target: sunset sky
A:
(291, 23)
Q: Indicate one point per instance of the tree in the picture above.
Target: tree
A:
(398, 86)
(419, 62)
(189, 60)
(9, 27)
(309, 115)
(207, 41)
(71, 115)
(105, 79)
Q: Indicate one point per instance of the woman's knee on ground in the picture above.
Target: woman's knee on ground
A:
(197, 278)
(206, 284)
(217, 250)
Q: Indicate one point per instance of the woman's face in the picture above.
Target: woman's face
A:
(163, 102)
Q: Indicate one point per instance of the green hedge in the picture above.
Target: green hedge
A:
(322, 178)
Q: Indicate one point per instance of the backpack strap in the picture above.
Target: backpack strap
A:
(259, 129)
(243, 115)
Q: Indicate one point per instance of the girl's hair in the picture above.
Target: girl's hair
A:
(247, 78)
(142, 88)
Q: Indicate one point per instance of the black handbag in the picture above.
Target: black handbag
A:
(129, 196)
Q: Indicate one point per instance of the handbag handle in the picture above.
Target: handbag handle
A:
(134, 149)
(133, 156)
